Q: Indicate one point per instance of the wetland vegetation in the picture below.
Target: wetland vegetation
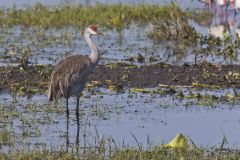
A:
(137, 82)
(109, 16)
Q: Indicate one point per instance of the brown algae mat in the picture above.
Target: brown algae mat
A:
(120, 75)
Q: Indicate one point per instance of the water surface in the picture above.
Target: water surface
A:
(35, 123)
(38, 123)
(25, 3)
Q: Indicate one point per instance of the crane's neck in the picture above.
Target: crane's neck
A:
(94, 56)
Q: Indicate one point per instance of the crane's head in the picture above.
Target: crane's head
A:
(92, 30)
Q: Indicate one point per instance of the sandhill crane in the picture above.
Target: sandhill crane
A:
(70, 75)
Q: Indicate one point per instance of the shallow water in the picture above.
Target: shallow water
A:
(38, 124)
(47, 47)
(25, 3)
(132, 43)
(35, 123)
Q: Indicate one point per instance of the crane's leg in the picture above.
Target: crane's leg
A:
(67, 107)
(67, 140)
(77, 109)
(78, 123)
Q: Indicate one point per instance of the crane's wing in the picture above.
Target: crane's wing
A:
(67, 72)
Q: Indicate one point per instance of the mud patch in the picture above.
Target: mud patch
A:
(36, 78)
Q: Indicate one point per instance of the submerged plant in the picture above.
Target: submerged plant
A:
(25, 54)
(6, 138)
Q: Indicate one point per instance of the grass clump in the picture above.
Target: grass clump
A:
(105, 148)
(157, 153)
(176, 27)
(50, 155)
(109, 16)
(6, 138)
(161, 153)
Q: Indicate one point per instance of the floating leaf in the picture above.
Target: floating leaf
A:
(230, 96)
(108, 81)
(12, 53)
(141, 90)
(96, 82)
(112, 87)
(178, 142)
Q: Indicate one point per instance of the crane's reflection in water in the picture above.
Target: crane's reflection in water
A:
(67, 134)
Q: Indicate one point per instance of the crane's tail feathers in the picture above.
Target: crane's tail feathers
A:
(51, 97)
(50, 94)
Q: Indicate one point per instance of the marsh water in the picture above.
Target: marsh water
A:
(26, 3)
(150, 118)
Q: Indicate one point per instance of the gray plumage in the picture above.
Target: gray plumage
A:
(70, 75)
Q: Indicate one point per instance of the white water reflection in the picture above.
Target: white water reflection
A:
(226, 16)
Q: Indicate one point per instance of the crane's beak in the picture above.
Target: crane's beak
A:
(102, 34)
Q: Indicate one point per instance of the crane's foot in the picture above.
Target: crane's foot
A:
(67, 112)
(77, 114)
(77, 111)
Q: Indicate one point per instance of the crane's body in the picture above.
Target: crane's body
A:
(70, 75)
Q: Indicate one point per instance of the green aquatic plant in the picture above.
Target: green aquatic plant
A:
(109, 16)
(176, 27)
(25, 54)
(202, 17)
(6, 138)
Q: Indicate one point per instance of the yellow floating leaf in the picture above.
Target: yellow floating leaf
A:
(130, 67)
(33, 90)
(111, 87)
(95, 82)
(21, 89)
(141, 90)
(236, 75)
(89, 85)
(12, 53)
(200, 85)
(180, 142)
(230, 96)
(108, 81)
